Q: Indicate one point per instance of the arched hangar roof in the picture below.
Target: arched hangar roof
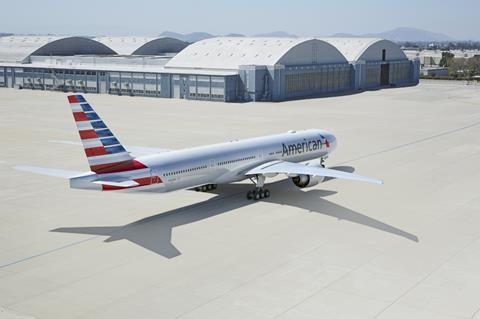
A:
(19, 48)
(367, 49)
(143, 45)
(231, 52)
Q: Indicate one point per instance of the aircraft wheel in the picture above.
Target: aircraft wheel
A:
(266, 193)
(256, 196)
(204, 188)
(250, 195)
(209, 187)
(214, 186)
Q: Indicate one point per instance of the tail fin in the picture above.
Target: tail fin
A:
(104, 151)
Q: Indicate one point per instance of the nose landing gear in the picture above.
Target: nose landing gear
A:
(322, 162)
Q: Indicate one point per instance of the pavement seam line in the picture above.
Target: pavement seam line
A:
(249, 281)
(427, 276)
(326, 287)
(425, 139)
(47, 252)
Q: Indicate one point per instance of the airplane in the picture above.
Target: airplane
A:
(300, 155)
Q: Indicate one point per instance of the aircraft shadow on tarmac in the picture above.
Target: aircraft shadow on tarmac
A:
(155, 232)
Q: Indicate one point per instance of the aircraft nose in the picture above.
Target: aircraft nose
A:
(332, 141)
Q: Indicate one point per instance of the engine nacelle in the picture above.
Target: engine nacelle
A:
(303, 181)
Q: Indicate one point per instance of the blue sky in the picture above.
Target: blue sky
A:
(459, 19)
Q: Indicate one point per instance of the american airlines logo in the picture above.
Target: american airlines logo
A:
(299, 148)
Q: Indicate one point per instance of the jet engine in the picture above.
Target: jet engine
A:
(303, 181)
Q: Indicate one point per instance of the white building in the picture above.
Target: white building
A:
(224, 68)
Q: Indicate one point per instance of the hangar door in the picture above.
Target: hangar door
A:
(372, 75)
(180, 86)
(385, 74)
(401, 72)
(3, 79)
(311, 80)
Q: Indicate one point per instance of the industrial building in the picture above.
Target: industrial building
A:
(434, 72)
(377, 62)
(222, 69)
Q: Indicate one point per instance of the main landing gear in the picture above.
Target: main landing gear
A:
(206, 188)
(259, 192)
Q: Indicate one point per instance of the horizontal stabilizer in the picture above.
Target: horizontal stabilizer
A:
(48, 171)
(126, 183)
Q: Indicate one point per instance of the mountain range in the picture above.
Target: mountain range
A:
(197, 36)
(277, 34)
(403, 34)
(189, 37)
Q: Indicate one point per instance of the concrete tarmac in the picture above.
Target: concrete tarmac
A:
(407, 249)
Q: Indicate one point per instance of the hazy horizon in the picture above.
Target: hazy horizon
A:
(303, 18)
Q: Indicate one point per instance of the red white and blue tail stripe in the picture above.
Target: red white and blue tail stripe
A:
(104, 151)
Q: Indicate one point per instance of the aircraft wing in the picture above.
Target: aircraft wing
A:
(289, 168)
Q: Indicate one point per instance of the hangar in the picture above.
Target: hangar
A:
(21, 48)
(269, 68)
(142, 45)
(377, 62)
(219, 69)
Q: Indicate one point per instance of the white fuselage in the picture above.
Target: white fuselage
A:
(226, 162)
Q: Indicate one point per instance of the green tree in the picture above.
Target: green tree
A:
(447, 59)
(464, 67)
